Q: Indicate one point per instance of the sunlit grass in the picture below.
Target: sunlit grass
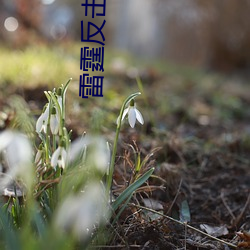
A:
(37, 65)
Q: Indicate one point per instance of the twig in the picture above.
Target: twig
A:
(184, 224)
(227, 207)
(239, 217)
(48, 185)
(116, 246)
(175, 198)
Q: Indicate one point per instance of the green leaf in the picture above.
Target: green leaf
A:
(129, 190)
(138, 163)
(10, 236)
(65, 87)
(39, 222)
(122, 209)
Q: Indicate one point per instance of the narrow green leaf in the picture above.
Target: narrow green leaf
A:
(138, 163)
(39, 222)
(128, 191)
(65, 87)
(122, 209)
(10, 235)
(47, 95)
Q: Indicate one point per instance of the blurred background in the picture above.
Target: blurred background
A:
(212, 34)
(193, 60)
(193, 57)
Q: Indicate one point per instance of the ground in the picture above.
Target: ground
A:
(197, 124)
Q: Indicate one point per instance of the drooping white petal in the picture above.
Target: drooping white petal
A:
(139, 116)
(64, 154)
(125, 112)
(62, 161)
(132, 117)
(18, 156)
(5, 139)
(44, 127)
(55, 156)
(46, 112)
(77, 148)
(101, 154)
(133, 114)
(19, 151)
(59, 157)
(39, 123)
(123, 115)
(54, 124)
(59, 99)
(98, 152)
(79, 214)
(42, 121)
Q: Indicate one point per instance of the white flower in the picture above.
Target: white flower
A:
(17, 152)
(42, 122)
(133, 114)
(59, 99)
(59, 157)
(54, 121)
(98, 152)
(79, 214)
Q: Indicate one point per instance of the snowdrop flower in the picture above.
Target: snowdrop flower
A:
(17, 152)
(133, 114)
(54, 121)
(59, 157)
(79, 214)
(98, 152)
(42, 122)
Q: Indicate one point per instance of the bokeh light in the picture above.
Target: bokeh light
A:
(47, 2)
(11, 24)
(58, 31)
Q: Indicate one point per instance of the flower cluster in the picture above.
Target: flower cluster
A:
(83, 200)
(50, 116)
(51, 130)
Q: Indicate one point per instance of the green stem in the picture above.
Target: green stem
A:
(47, 140)
(65, 87)
(112, 163)
(54, 142)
